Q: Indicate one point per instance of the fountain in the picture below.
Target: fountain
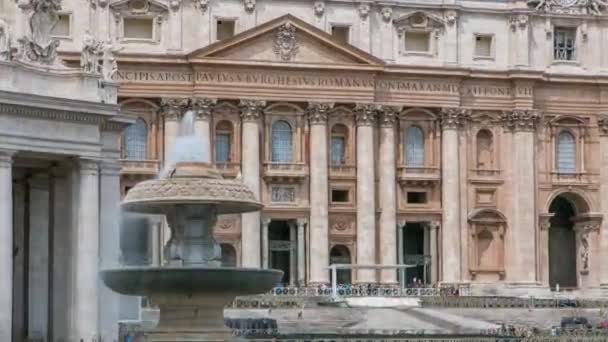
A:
(192, 289)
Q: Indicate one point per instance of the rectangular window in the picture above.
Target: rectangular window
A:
(564, 44)
(138, 28)
(62, 28)
(337, 150)
(225, 29)
(416, 197)
(417, 41)
(341, 33)
(339, 196)
(222, 147)
(483, 46)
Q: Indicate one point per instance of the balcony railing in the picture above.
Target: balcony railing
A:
(285, 170)
(486, 173)
(147, 167)
(570, 177)
(342, 170)
(407, 174)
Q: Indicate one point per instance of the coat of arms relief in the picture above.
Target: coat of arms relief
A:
(285, 43)
(594, 7)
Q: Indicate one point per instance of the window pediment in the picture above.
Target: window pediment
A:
(486, 215)
(134, 8)
(418, 21)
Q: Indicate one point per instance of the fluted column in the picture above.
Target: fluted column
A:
(366, 192)
(451, 120)
(6, 245)
(251, 112)
(603, 130)
(301, 253)
(203, 109)
(172, 110)
(86, 293)
(523, 223)
(387, 198)
(319, 193)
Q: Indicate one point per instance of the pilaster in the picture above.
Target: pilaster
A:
(319, 189)
(388, 198)
(366, 115)
(6, 244)
(603, 195)
(301, 223)
(203, 111)
(433, 228)
(251, 112)
(265, 243)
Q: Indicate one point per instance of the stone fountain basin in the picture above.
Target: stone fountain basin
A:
(190, 281)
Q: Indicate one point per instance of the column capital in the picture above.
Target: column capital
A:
(251, 110)
(602, 124)
(388, 115)
(173, 108)
(88, 166)
(266, 221)
(6, 158)
(301, 222)
(454, 117)
(318, 112)
(366, 114)
(433, 225)
(520, 119)
(203, 107)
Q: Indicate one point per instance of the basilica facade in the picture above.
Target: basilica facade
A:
(466, 140)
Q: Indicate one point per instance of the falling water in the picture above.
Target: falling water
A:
(188, 146)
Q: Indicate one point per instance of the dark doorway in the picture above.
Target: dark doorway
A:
(413, 248)
(280, 247)
(339, 254)
(228, 255)
(562, 245)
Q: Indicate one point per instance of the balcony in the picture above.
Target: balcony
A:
(342, 171)
(139, 167)
(573, 177)
(485, 176)
(228, 169)
(285, 172)
(418, 176)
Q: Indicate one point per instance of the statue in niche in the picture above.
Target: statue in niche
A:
(89, 56)
(5, 42)
(109, 65)
(484, 150)
(40, 46)
(585, 252)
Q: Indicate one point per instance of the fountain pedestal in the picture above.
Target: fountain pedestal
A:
(192, 297)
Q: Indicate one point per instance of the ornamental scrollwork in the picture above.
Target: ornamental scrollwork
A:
(39, 46)
(251, 110)
(318, 112)
(364, 11)
(388, 115)
(602, 124)
(366, 114)
(172, 108)
(454, 117)
(319, 8)
(286, 43)
(6, 49)
(520, 119)
(203, 107)
(594, 7)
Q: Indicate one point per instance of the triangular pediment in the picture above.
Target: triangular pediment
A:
(288, 40)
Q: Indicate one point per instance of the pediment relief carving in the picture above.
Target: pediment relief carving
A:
(285, 39)
(134, 8)
(593, 7)
(420, 21)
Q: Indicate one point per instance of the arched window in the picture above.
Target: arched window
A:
(339, 135)
(566, 152)
(485, 150)
(223, 142)
(136, 141)
(414, 146)
(281, 141)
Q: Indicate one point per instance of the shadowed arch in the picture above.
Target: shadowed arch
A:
(579, 200)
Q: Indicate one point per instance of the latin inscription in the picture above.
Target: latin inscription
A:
(300, 80)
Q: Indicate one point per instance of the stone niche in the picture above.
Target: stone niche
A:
(486, 245)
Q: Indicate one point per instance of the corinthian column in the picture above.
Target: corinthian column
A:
(523, 223)
(6, 245)
(319, 221)
(451, 120)
(86, 289)
(366, 194)
(603, 130)
(251, 112)
(388, 206)
(203, 109)
(172, 110)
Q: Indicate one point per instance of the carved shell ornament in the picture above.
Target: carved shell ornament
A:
(286, 44)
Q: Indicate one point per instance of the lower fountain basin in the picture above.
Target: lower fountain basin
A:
(145, 281)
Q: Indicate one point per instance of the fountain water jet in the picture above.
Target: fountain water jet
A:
(192, 289)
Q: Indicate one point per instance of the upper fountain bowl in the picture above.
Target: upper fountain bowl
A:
(191, 183)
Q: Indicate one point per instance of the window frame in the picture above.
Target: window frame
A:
(70, 15)
(556, 164)
(576, 47)
(348, 27)
(406, 136)
(272, 142)
(492, 38)
(156, 29)
(145, 142)
(214, 32)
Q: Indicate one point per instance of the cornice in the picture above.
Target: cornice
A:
(51, 114)
(62, 104)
